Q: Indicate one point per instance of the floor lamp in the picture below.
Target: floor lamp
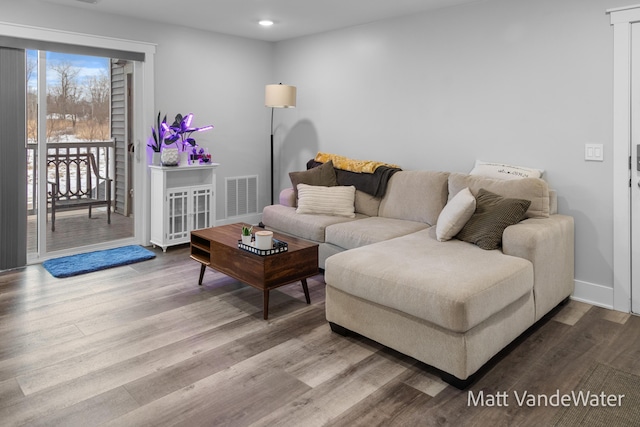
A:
(278, 96)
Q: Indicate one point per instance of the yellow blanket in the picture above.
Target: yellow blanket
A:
(351, 165)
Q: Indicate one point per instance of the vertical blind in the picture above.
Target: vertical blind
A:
(13, 164)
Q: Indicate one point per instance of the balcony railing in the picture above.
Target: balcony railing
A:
(102, 151)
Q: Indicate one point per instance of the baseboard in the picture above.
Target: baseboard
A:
(591, 293)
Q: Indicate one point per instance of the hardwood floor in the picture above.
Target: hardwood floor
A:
(145, 345)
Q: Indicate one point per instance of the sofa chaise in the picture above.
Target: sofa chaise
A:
(390, 275)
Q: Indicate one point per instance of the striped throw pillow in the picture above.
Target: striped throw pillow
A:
(493, 214)
(336, 201)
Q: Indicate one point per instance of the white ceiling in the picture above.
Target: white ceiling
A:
(293, 18)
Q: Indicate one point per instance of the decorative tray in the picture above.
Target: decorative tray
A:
(278, 247)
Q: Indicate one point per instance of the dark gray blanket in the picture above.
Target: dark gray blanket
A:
(374, 183)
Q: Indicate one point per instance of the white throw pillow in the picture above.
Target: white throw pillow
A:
(455, 215)
(503, 171)
(337, 201)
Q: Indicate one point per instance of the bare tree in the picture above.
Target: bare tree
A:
(97, 90)
(66, 93)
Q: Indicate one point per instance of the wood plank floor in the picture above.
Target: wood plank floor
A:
(143, 345)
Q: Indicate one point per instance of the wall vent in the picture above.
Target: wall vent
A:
(241, 196)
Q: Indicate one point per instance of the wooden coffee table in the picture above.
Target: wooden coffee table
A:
(217, 248)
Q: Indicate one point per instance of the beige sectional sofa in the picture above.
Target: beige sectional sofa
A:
(449, 304)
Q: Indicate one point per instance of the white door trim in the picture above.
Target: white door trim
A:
(622, 19)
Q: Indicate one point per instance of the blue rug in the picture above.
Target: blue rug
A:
(74, 265)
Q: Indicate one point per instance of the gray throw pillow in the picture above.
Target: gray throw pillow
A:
(323, 175)
(493, 214)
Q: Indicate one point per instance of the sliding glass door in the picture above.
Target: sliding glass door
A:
(76, 137)
(25, 153)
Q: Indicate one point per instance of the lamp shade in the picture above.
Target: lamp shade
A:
(280, 96)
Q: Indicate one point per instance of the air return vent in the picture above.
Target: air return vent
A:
(241, 195)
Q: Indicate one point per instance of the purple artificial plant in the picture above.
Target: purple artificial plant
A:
(181, 131)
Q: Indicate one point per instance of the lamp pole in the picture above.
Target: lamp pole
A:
(271, 199)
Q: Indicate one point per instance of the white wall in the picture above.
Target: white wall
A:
(217, 77)
(523, 82)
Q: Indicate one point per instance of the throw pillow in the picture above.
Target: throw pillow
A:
(455, 215)
(324, 175)
(493, 214)
(503, 171)
(336, 201)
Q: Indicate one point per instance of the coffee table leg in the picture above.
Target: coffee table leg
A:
(202, 268)
(306, 291)
(265, 305)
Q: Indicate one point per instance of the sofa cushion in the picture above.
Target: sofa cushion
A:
(446, 284)
(323, 175)
(310, 227)
(366, 231)
(533, 189)
(337, 201)
(455, 215)
(367, 204)
(415, 196)
(493, 214)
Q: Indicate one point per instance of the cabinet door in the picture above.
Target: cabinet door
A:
(202, 199)
(177, 214)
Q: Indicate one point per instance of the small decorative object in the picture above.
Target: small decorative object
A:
(184, 159)
(194, 155)
(205, 157)
(170, 157)
(246, 234)
(199, 155)
(264, 239)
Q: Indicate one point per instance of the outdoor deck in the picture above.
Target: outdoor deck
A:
(75, 228)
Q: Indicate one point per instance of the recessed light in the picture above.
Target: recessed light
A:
(266, 23)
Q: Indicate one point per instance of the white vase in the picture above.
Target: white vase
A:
(155, 158)
(170, 157)
(184, 159)
(246, 240)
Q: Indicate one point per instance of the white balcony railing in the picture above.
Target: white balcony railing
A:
(101, 150)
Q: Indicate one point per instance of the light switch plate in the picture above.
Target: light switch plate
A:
(594, 152)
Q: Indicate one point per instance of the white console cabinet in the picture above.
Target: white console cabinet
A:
(182, 199)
